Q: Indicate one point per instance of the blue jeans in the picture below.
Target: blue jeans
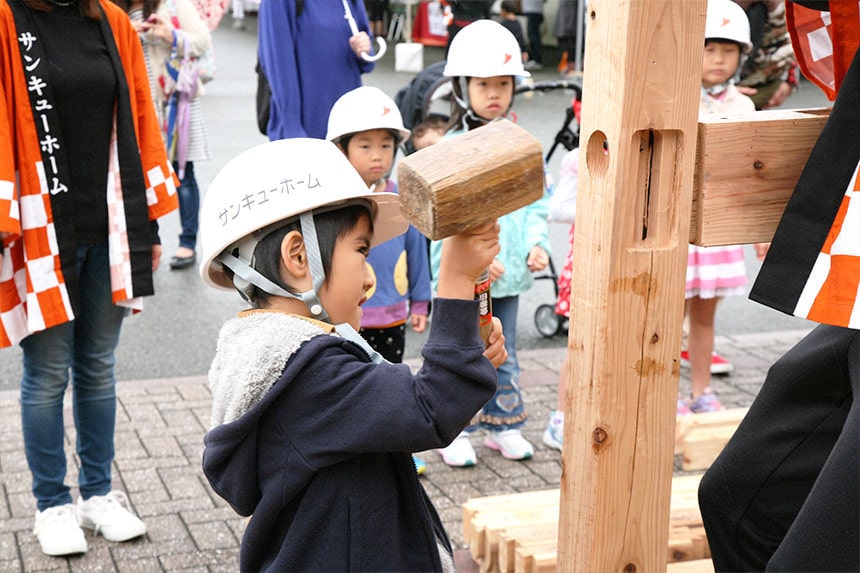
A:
(505, 411)
(86, 345)
(189, 206)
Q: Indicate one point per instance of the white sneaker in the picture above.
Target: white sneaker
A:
(554, 433)
(510, 443)
(459, 453)
(58, 531)
(107, 514)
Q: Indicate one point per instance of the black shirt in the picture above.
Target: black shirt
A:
(85, 85)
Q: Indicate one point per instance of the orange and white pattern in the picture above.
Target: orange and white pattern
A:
(34, 294)
(815, 33)
(832, 291)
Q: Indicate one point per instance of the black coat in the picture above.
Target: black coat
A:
(323, 462)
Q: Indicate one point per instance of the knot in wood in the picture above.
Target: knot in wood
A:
(599, 437)
(758, 165)
(655, 338)
(630, 568)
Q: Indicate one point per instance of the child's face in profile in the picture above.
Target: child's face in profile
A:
(491, 97)
(720, 62)
(350, 278)
(371, 153)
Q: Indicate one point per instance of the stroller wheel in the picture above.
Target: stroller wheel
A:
(547, 321)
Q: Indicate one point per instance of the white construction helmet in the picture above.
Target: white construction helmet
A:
(484, 49)
(363, 109)
(728, 21)
(270, 185)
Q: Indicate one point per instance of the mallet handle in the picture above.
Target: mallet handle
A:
(485, 305)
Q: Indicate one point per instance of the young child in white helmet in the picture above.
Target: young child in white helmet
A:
(714, 272)
(366, 125)
(311, 430)
(483, 62)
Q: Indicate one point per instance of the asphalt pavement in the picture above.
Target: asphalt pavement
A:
(166, 350)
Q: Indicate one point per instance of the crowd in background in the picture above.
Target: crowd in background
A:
(146, 127)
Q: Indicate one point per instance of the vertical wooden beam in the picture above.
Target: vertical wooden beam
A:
(643, 63)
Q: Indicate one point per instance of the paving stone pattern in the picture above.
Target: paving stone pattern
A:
(159, 446)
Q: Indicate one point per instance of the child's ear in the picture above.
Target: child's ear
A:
(294, 258)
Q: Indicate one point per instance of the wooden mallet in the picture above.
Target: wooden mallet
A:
(463, 182)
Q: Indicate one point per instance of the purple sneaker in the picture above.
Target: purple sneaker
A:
(707, 402)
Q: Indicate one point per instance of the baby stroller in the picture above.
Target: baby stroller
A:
(428, 94)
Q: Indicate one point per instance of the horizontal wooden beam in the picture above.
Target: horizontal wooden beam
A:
(746, 169)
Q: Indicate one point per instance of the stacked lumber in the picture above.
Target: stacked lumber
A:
(518, 533)
(701, 437)
(485, 519)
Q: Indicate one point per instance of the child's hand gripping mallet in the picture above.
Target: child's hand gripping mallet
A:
(463, 182)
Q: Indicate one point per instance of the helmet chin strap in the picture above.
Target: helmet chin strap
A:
(462, 100)
(245, 278)
(312, 249)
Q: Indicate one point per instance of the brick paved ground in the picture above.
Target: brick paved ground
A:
(159, 446)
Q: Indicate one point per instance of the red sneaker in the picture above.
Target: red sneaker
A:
(719, 365)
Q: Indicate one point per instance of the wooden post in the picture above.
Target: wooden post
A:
(640, 103)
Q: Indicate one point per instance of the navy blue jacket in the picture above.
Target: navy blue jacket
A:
(323, 462)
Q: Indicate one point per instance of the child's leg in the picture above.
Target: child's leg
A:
(701, 342)
(554, 433)
(389, 342)
(505, 414)
(561, 398)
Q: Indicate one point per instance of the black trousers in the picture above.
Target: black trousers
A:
(389, 342)
(784, 494)
(533, 22)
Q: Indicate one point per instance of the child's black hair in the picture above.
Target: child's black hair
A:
(509, 6)
(432, 123)
(330, 226)
(343, 142)
(725, 41)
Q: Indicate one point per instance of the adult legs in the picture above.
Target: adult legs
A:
(783, 494)
(533, 22)
(93, 383)
(189, 208)
(47, 357)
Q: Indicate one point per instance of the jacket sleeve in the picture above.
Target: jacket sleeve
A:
(161, 182)
(562, 205)
(338, 405)
(418, 269)
(537, 229)
(277, 51)
(10, 218)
